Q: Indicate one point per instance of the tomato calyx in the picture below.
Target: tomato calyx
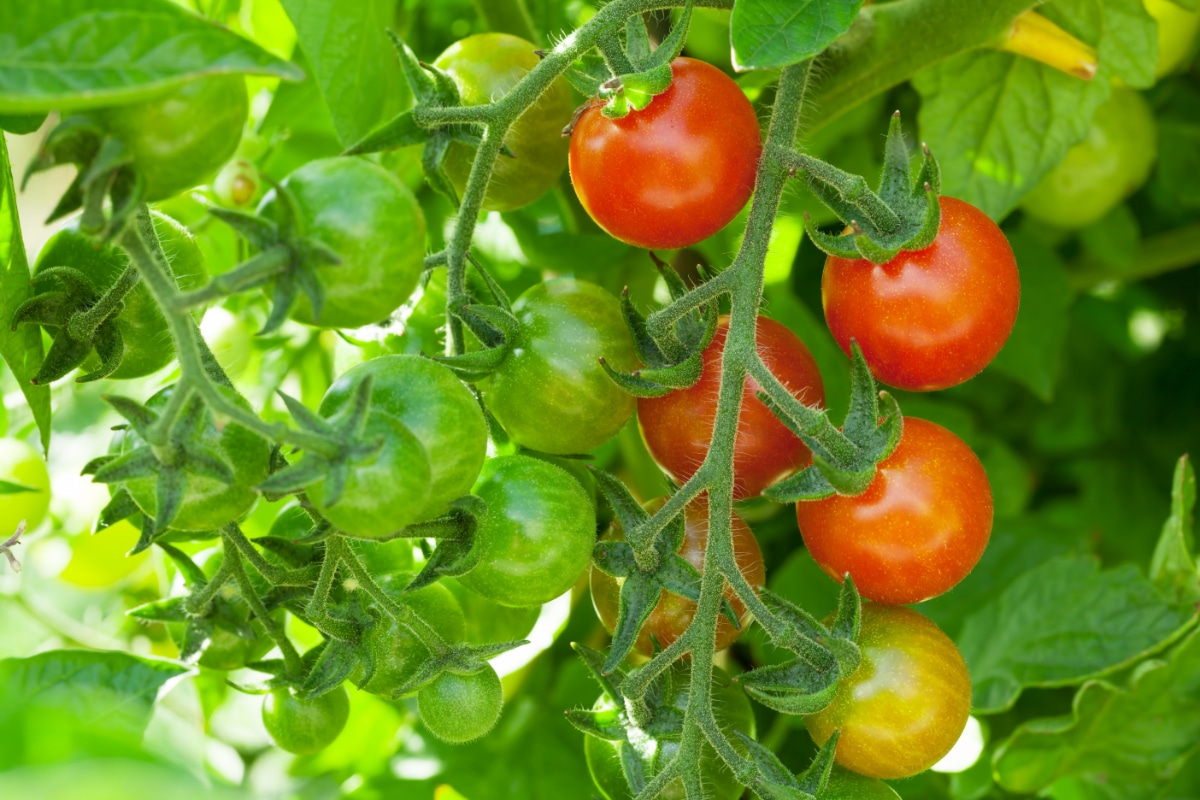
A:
(774, 781)
(903, 214)
(459, 659)
(674, 360)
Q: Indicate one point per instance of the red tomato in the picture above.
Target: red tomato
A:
(931, 318)
(920, 527)
(678, 427)
(675, 172)
(671, 617)
(906, 704)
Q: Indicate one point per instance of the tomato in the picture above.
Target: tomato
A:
(237, 184)
(485, 67)
(733, 713)
(229, 338)
(917, 530)
(1177, 29)
(928, 319)
(207, 503)
(383, 492)
(1102, 170)
(144, 330)
(673, 613)
(536, 539)
(397, 651)
(551, 393)
(678, 427)
(461, 708)
(374, 224)
(675, 172)
(489, 622)
(181, 137)
(906, 704)
(303, 726)
(24, 487)
(436, 406)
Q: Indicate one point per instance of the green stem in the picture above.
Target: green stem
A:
(272, 626)
(258, 270)
(1161, 253)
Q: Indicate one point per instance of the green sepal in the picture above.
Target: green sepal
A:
(794, 687)
(454, 555)
(461, 659)
(110, 347)
(610, 682)
(196, 635)
(807, 484)
(146, 538)
(171, 609)
(587, 722)
(333, 666)
(401, 130)
(138, 463)
(259, 232)
(649, 351)
(848, 482)
(493, 325)
(638, 46)
(193, 576)
(815, 779)
(433, 159)
(628, 510)
(139, 417)
(773, 781)
(477, 365)
(586, 74)
(633, 383)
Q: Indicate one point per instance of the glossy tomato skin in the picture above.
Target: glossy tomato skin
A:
(382, 493)
(675, 172)
(551, 394)
(917, 530)
(536, 539)
(144, 331)
(371, 220)
(733, 713)
(671, 617)
(1102, 170)
(485, 67)
(906, 704)
(678, 427)
(303, 726)
(181, 137)
(461, 708)
(439, 410)
(22, 464)
(928, 319)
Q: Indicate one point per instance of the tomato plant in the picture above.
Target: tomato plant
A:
(459, 708)
(304, 726)
(674, 172)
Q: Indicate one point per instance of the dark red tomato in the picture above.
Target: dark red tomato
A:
(931, 318)
(678, 427)
(673, 613)
(906, 704)
(675, 172)
(920, 527)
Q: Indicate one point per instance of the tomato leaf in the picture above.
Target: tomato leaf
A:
(1173, 567)
(775, 33)
(63, 55)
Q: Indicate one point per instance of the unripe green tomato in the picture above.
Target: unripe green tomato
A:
(21, 465)
(461, 708)
(489, 622)
(1101, 171)
(179, 138)
(144, 330)
(230, 339)
(485, 67)
(1177, 29)
(237, 184)
(302, 726)
(733, 713)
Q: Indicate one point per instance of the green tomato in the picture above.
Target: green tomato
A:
(207, 504)
(181, 137)
(732, 711)
(461, 708)
(22, 469)
(303, 726)
(383, 492)
(229, 338)
(1097, 174)
(488, 622)
(436, 406)
(1177, 29)
(144, 330)
(550, 393)
(536, 539)
(485, 67)
(374, 224)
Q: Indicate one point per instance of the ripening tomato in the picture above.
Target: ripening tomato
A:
(906, 704)
(675, 172)
(678, 427)
(671, 617)
(917, 530)
(928, 319)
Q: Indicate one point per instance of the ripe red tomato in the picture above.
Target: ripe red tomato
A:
(671, 617)
(931, 318)
(906, 704)
(920, 527)
(678, 427)
(675, 172)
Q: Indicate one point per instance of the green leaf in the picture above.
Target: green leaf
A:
(1124, 739)
(352, 60)
(22, 349)
(775, 33)
(61, 704)
(975, 117)
(1032, 356)
(1061, 624)
(1125, 33)
(1173, 568)
(21, 123)
(64, 55)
